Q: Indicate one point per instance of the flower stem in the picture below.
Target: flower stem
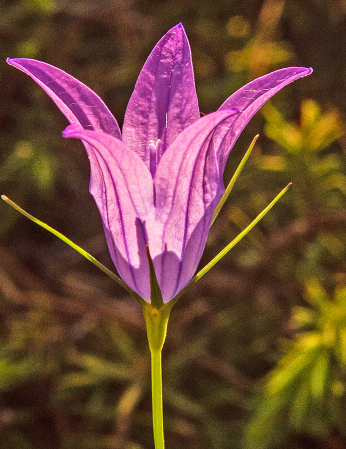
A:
(156, 320)
(156, 391)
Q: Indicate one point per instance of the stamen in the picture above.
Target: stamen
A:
(153, 147)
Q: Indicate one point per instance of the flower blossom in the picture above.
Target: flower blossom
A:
(157, 184)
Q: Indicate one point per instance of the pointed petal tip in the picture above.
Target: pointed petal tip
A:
(308, 71)
(296, 71)
(304, 71)
(178, 27)
(11, 61)
(16, 61)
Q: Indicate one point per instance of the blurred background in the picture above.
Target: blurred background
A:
(255, 355)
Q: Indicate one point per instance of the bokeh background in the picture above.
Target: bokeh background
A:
(255, 355)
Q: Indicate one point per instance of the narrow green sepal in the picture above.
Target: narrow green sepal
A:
(241, 235)
(155, 292)
(222, 253)
(234, 178)
(77, 248)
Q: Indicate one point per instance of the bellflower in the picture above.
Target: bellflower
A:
(157, 184)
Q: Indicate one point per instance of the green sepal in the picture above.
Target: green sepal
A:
(77, 248)
(233, 180)
(223, 252)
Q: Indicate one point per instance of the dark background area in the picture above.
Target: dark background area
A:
(255, 355)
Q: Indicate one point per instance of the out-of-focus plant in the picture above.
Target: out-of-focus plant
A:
(305, 393)
(308, 155)
(307, 159)
(263, 50)
(312, 160)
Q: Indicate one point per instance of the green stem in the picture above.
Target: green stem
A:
(156, 391)
(156, 320)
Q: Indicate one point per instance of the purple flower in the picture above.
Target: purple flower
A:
(159, 182)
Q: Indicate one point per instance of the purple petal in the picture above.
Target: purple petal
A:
(250, 98)
(164, 101)
(123, 191)
(188, 186)
(76, 101)
(188, 181)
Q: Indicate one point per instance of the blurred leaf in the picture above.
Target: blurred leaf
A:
(40, 5)
(303, 385)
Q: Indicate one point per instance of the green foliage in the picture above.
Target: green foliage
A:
(305, 392)
(39, 5)
(305, 161)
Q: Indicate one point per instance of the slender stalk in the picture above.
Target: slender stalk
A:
(156, 391)
(156, 320)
